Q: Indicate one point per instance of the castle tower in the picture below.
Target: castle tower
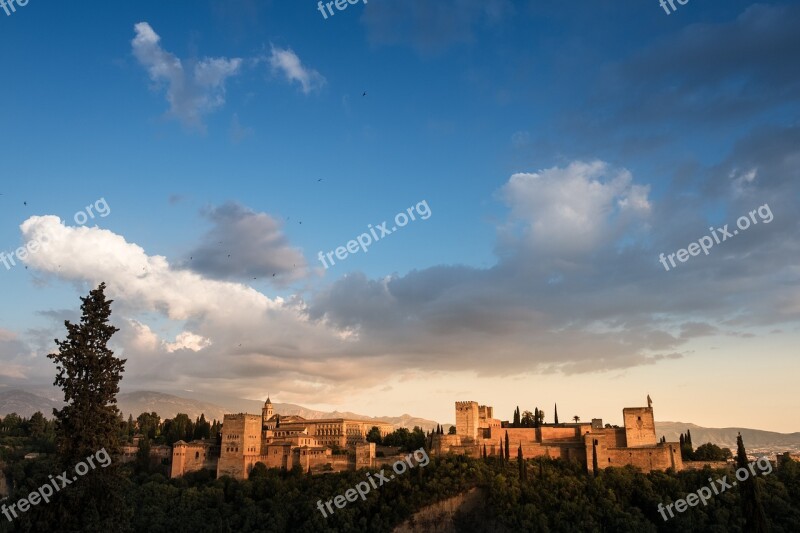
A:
(640, 426)
(467, 417)
(266, 412)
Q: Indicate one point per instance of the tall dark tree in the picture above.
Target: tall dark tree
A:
(555, 413)
(143, 455)
(149, 424)
(755, 519)
(516, 422)
(89, 374)
(501, 450)
(689, 438)
(536, 417)
(521, 463)
(130, 427)
(508, 454)
(202, 429)
(526, 420)
(484, 450)
(37, 425)
(374, 435)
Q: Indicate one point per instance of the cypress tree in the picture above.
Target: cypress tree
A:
(689, 438)
(521, 463)
(501, 451)
(484, 451)
(508, 455)
(89, 375)
(515, 424)
(755, 519)
(555, 411)
(536, 417)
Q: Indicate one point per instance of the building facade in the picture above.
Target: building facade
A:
(282, 442)
(593, 445)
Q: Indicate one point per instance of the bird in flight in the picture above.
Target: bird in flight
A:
(24, 203)
(319, 180)
(365, 93)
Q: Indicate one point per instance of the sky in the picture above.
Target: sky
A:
(506, 175)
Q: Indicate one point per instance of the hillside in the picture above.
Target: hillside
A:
(754, 439)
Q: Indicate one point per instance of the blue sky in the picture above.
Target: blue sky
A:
(560, 150)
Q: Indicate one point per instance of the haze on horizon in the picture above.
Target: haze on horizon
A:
(560, 150)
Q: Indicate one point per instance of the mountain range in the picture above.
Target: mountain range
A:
(25, 403)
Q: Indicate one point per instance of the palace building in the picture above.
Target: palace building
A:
(590, 443)
(280, 442)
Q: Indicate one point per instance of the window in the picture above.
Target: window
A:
(197, 455)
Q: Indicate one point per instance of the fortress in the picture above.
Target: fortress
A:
(593, 445)
(337, 444)
(279, 442)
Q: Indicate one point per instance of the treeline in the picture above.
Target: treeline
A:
(171, 430)
(544, 495)
(40, 431)
(706, 452)
(408, 441)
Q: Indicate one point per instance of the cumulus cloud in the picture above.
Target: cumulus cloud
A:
(576, 288)
(243, 244)
(286, 62)
(192, 91)
(577, 208)
(188, 341)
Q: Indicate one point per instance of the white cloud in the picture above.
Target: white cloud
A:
(577, 208)
(188, 341)
(743, 180)
(287, 62)
(190, 95)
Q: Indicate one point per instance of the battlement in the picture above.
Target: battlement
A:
(466, 405)
(241, 416)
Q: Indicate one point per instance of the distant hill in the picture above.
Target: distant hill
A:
(726, 437)
(25, 403)
(168, 405)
